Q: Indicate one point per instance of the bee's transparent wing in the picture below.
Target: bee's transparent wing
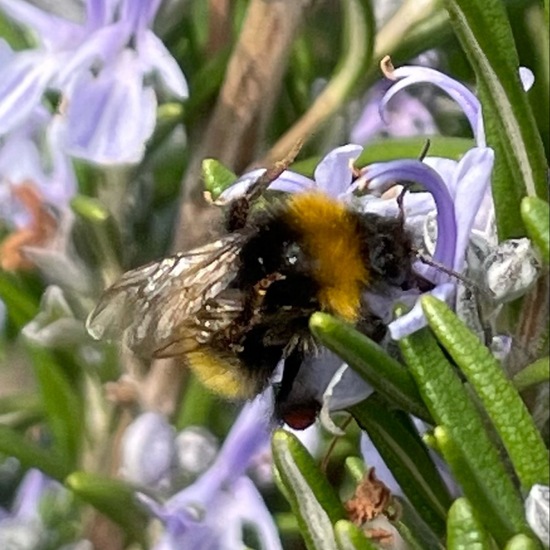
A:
(153, 302)
(210, 322)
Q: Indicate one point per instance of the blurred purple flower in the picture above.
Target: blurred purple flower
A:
(210, 513)
(101, 68)
(406, 117)
(22, 527)
(149, 451)
(32, 154)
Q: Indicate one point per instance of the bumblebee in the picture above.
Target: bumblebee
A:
(233, 309)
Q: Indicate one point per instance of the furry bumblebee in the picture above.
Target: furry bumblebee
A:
(233, 309)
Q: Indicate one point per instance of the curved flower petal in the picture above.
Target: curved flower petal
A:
(103, 45)
(158, 60)
(409, 75)
(252, 509)
(471, 181)
(22, 83)
(380, 174)
(100, 13)
(111, 117)
(288, 182)
(527, 78)
(333, 174)
(139, 14)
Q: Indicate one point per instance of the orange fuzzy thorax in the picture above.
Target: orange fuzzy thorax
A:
(329, 236)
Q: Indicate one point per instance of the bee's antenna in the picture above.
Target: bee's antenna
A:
(465, 280)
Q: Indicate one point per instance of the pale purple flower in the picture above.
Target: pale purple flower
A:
(21, 526)
(102, 69)
(32, 154)
(149, 451)
(210, 513)
(407, 116)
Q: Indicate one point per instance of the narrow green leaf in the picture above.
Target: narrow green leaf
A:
(465, 531)
(407, 457)
(533, 374)
(370, 361)
(536, 217)
(488, 487)
(30, 455)
(498, 395)
(111, 497)
(311, 498)
(62, 405)
(484, 504)
(350, 537)
(494, 59)
(522, 542)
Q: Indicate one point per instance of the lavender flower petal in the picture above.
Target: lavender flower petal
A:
(30, 492)
(252, 510)
(407, 116)
(159, 61)
(100, 13)
(461, 94)
(112, 116)
(149, 450)
(333, 174)
(527, 78)
(288, 182)
(471, 181)
(22, 83)
(248, 435)
(139, 14)
(381, 174)
(104, 45)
